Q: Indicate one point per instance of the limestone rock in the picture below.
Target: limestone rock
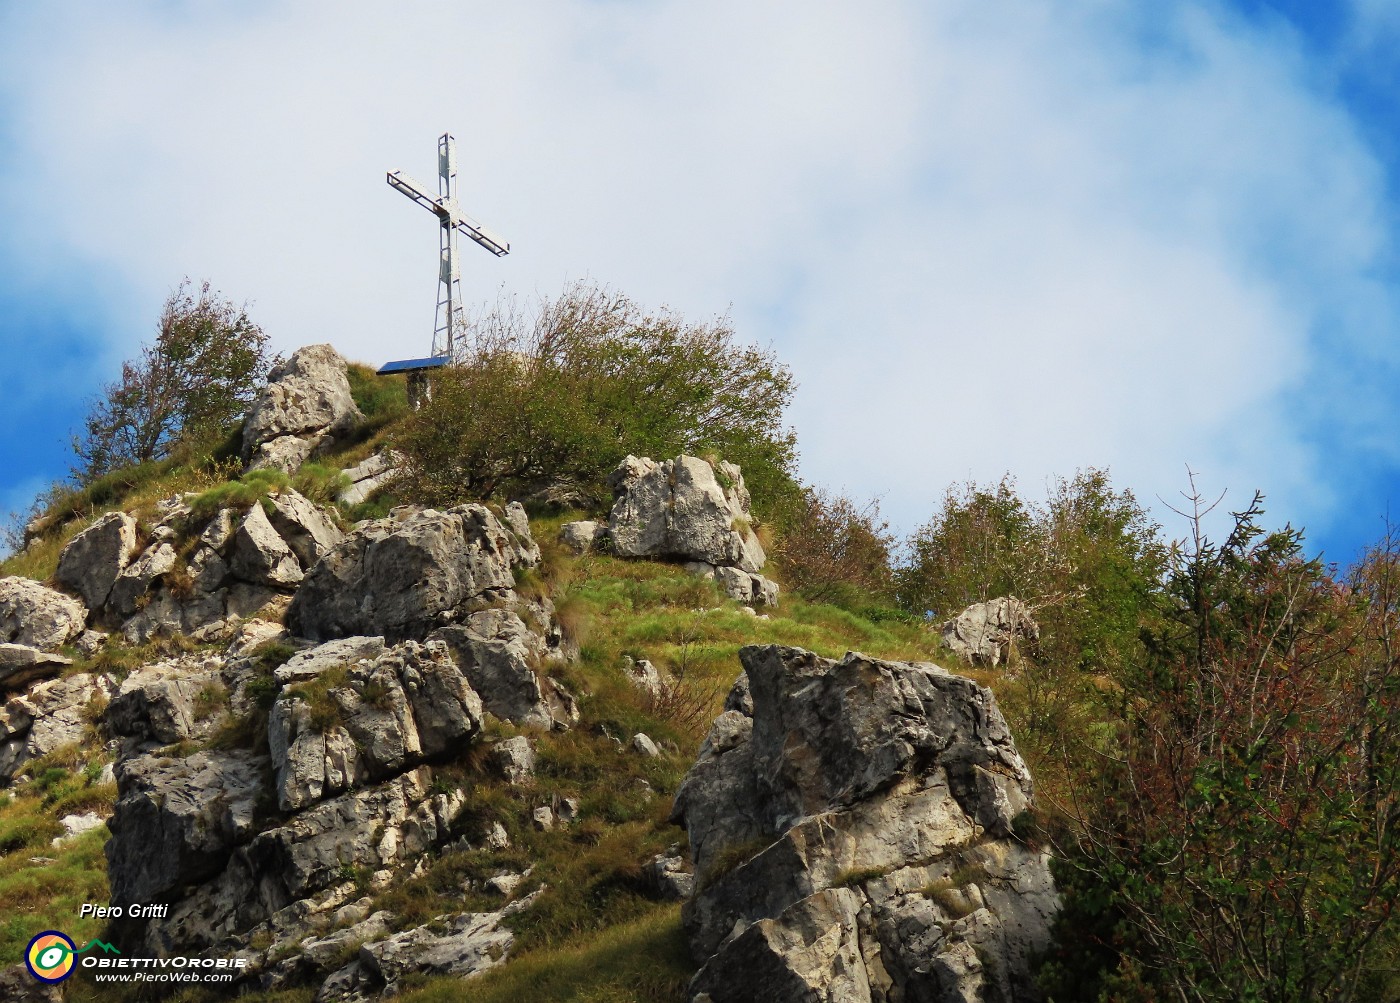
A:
(643, 675)
(670, 877)
(318, 952)
(176, 821)
(252, 635)
(260, 555)
(381, 717)
(342, 652)
(582, 536)
(399, 577)
(37, 616)
(308, 529)
(18, 986)
(305, 406)
(899, 773)
(92, 560)
(370, 829)
(472, 943)
(169, 701)
(90, 642)
(747, 587)
(496, 652)
(51, 715)
(678, 509)
(513, 759)
(75, 825)
(129, 591)
(20, 665)
(371, 474)
(644, 746)
(983, 633)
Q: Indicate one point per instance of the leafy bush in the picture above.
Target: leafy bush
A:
(980, 545)
(549, 409)
(1088, 562)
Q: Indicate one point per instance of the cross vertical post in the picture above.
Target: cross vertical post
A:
(449, 320)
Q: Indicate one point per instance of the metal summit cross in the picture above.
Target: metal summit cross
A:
(450, 319)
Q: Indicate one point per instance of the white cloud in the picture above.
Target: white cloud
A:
(987, 236)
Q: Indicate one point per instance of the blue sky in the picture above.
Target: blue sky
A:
(987, 236)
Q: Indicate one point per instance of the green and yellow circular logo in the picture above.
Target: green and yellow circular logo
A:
(50, 956)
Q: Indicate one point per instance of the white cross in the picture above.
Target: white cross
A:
(450, 318)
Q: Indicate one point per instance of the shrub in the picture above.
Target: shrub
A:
(1088, 562)
(549, 409)
(834, 550)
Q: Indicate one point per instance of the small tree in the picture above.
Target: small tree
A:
(186, 389)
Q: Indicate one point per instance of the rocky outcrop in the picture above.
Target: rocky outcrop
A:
(93, 559)
(304, 409)
(51, 715)
(513, 759)
(582, 536)
(462, 945)
(689, 510)
(177, 820)
(985, 632)
(365, 721)
(498, 654)
(170, 701)
(37, 616)
(308, 529)
(21, 665)
(851, 825)
(299, 867)
(677, 508)
(402, 576)
(196, 572)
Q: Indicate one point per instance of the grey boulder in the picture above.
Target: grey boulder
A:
(498, 653)
(304, 408)
(92, 560)
(581, 537)
(38, 616)
(53, 714)
(369, 475)
(855, 839)
(402, 576)
(984, 633)
(176, 821)
(368, 721)
(260, 555)
(306, 527)
(169, 701)
(21, 665)
(679, 509)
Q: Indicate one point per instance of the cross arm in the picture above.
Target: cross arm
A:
(470, 228)
(401, 182)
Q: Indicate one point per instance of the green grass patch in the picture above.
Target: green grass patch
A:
(48, 894)
(643, 958)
